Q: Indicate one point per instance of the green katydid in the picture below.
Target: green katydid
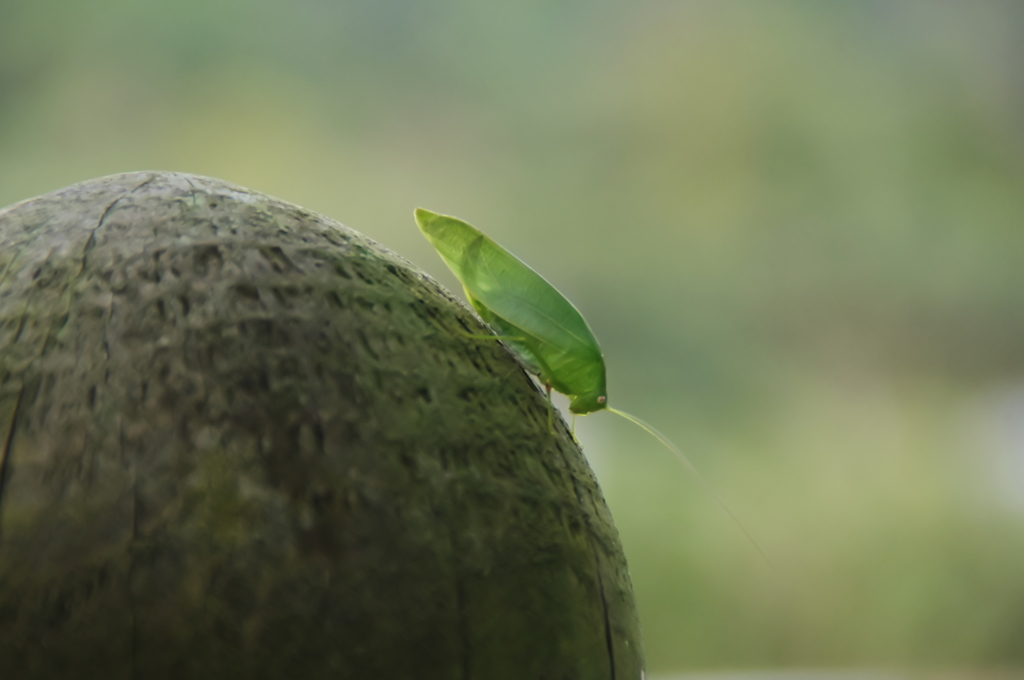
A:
(542, 328)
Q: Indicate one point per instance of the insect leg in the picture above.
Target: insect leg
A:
(547, 388)
(488, 336)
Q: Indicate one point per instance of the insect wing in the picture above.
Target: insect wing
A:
(506, 285)
(556, 335)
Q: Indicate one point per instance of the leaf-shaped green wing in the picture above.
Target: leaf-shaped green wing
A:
(560, 338)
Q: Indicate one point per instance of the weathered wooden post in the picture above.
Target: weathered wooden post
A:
(239, 440)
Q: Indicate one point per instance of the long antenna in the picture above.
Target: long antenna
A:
(686, 461)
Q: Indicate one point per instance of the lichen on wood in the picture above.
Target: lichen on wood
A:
(240, 440)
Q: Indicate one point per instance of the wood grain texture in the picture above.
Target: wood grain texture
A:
(240, 440)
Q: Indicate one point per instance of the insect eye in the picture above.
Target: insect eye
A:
(602, 399)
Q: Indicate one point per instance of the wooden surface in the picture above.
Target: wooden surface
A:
(240, 440)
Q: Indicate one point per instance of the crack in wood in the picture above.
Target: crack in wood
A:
(8, 442)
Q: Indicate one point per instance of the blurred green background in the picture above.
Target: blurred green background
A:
(796, 226)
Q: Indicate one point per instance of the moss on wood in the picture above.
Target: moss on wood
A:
(240, 440)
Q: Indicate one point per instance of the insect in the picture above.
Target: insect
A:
(542, 328)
